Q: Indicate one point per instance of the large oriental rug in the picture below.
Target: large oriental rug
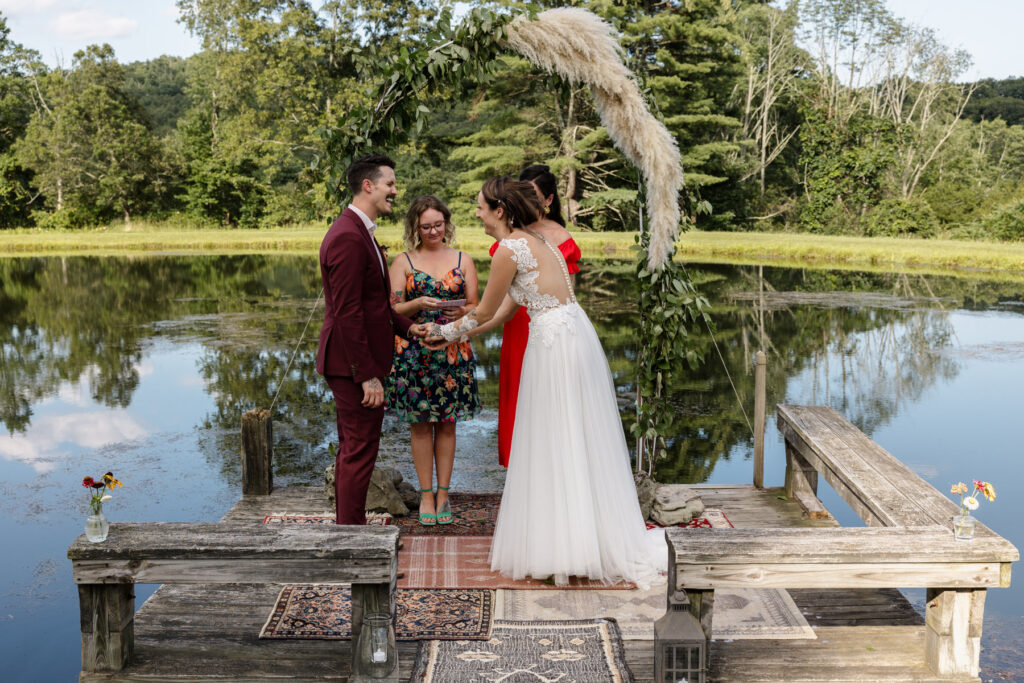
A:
(739, 614)
(585, 650)
(324, 612)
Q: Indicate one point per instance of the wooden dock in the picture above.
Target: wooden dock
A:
(206, 629)
(209, 632)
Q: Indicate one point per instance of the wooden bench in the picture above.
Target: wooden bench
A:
(222, 552)
(908, 543)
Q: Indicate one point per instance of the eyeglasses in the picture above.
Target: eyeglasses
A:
(436, 227)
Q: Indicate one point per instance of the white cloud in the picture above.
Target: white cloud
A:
(90, 24)
(15, 8)
(44, 441)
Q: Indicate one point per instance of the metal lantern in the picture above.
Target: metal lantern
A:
(680, 647)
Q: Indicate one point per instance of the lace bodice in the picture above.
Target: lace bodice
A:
(524, 286)
(523, 290)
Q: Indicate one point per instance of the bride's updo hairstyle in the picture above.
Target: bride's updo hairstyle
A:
(516, 198)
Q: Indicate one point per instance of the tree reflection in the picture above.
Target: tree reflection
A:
(89, 321)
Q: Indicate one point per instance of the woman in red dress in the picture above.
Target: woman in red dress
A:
(517, 330)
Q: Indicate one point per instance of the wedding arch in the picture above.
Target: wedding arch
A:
(581, 48)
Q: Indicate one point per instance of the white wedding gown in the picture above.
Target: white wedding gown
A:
(569, 507)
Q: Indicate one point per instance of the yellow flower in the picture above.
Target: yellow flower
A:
(988, 491)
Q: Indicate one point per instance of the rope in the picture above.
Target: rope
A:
(726, 367)
(296, 349)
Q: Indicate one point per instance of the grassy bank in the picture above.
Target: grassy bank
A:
(782, 249)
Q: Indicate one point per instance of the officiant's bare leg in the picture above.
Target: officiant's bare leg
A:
(421, 437)
(444, 459)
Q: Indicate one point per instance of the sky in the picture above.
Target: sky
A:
(143, 29)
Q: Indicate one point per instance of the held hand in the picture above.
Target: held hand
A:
(418, 330)
(373, 393)
(435, 343)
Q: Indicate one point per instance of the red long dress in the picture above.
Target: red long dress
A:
(513, 346)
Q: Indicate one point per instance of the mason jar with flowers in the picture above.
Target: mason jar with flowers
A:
(963, 522)
(96, 525)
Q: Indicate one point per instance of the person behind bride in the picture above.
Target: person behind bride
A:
(432, 389)
(569, 506)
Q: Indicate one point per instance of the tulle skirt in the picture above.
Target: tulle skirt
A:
(570, 507)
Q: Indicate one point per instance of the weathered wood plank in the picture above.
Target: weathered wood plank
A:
(234, 570)
(220, 540)
(889, 575)
(953, 620)
(835, 545)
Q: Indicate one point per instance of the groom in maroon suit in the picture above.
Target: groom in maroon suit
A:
(358, 337)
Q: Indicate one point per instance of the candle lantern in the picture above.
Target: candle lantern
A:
(680, 647)
(376, 651)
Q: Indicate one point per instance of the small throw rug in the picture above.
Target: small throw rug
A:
(324, 612)
(584, 650)
(709, 519)
(376, 518)
(739, 614)
(464, 562)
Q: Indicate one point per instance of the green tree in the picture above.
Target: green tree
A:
(15, 113)
(89, 143)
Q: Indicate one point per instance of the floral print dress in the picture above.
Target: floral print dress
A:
(433, 386)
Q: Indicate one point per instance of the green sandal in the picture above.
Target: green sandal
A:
(427, 518)
(444, 513)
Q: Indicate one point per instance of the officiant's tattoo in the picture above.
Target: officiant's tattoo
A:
(396, 296)
(375, 385)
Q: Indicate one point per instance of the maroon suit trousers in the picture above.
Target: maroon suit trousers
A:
(358, 441)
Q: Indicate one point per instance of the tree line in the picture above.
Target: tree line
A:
(826, 116)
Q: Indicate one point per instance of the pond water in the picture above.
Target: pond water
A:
(143, 366)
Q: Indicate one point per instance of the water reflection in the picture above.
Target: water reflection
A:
(865, 343)
(145, 365)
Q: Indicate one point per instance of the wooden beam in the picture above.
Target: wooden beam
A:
(108, 626)
(802, 484)
(760, 401)
(953, 620)
(257, 453)
(848, 575)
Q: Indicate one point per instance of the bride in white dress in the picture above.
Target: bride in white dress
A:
(569, 507)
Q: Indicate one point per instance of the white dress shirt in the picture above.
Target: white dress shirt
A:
(370, 228)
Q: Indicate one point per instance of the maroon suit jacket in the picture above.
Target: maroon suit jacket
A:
(358, 336)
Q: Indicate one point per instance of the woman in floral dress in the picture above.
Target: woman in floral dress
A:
(432, 390)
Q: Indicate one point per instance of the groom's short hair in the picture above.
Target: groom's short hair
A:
(366, 168)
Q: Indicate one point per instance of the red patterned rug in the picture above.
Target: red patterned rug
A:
(324, 612)
(710, 519)
(464, 562)
(474, 515)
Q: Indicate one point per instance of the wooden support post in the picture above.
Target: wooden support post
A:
(108, 625)
(759, 417)
(802, 484)
(702, 607)
(257, 453)
(953, 619)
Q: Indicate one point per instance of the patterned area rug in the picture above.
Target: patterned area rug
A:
(474, 515)
(589, 650)
(739, 614)
(463, 562)
(711, 519)
(324, 612)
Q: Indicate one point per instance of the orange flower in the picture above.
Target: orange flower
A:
(466, 350)
(452, 353)
(400, 344)
(449, 382)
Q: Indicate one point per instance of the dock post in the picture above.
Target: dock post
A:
(759, 417)
(257, 453)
